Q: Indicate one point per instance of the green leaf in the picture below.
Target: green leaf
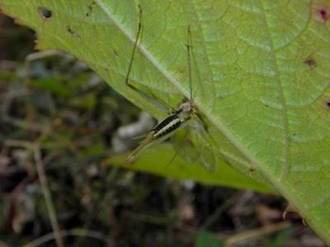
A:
(159, 160)
(207, 239)
(280, 239)
(261, 75)
(52, 85)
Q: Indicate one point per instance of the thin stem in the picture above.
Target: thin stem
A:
(47, 195)
(255, 233)
(74, 232)
(44, 185)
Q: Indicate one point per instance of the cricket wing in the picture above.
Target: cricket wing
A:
(203, 146)
(147, 141)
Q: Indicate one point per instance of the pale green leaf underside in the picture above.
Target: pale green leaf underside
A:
(261, 75)
(175, 167)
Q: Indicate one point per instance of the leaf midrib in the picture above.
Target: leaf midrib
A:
(215, 121)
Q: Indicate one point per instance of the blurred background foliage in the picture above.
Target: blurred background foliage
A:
(60, 108)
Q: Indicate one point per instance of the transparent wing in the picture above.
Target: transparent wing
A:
(184, 147)
(203, 144)
(194, 147)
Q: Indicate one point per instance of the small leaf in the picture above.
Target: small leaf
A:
(207, 239)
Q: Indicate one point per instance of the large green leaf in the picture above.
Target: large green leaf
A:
(261, 75)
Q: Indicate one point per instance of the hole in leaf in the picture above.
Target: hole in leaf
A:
(90, 8)
(70, 30)
(321, 12)
(310, 62)
(45, 13)
(324, 14)
(328, 104)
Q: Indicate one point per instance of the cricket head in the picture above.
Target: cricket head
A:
(186, 110)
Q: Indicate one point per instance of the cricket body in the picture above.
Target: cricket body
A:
(185, 111)
(167, 127)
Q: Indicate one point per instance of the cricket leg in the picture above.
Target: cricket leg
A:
(148, 96)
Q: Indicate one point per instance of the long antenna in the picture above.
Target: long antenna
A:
(134, 47)
(189, 47)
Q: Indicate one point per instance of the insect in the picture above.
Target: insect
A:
(179, 117)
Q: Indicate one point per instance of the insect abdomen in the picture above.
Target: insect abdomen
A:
(168, 125)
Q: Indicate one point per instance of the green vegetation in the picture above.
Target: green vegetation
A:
(260, 79)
